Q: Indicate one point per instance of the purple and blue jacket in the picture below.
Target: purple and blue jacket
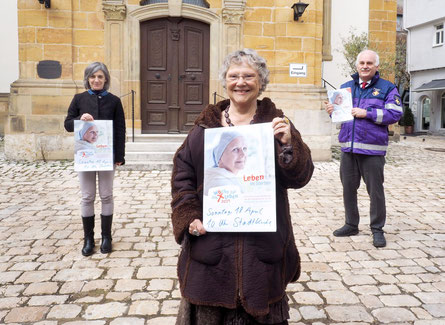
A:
(369, 136)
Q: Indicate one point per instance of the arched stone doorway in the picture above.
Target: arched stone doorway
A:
(123, 50)
(174, 73)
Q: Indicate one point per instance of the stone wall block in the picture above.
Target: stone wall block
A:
(276, 29)
(27, 69)
(20, 146)
(90, 54)
(309, 44)
(30, 52)
(54, 35)
(79, 69)
(260, 14)
(88, 38)
(17, 124)
(378, 36)
(259, 3)
(59, 19)
(375, 25)
(288, 43)
(258, 42)
(50, 105)
(300, 30)
(61, 5)
(44, 124)
(378, 15)
(389, 26)
(67, 71)
(268, 55)
(20, 105)
(62, 53)
(390, 5)
(90, 5)
(80, 20)
(54, 147)
(285, 14)
(26, 4)
(376, 5)
(283, 58)
(253, 28)
(27, 34)
(95, 20)
(32, 18)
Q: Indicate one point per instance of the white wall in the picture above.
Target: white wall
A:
(346, 15)
(423, 55)
(417, 12)
(9, 58)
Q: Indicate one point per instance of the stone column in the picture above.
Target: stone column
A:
(115, 13)
(232, 16)
(327, 10)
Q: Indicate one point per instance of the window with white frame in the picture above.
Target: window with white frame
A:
(438, 35)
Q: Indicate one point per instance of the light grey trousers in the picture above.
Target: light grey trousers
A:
(88, 188)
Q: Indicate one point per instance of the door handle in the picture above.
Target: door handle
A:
(193, 77)
(182, 76)
(157, 76)
(169, 77)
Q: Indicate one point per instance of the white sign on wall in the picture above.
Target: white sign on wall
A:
(297, 70)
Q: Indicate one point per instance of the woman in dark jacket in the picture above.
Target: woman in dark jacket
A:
(237, 278)
(98, 104)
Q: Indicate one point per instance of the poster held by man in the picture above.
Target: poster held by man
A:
(342, 101)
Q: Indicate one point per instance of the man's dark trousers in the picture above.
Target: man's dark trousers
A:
(352, 168)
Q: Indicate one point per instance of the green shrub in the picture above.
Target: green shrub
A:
(408, 117)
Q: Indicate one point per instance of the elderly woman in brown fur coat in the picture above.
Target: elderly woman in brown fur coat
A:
(237, 278)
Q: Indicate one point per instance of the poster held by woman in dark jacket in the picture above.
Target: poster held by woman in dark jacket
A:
(237, 278)
(96, 103)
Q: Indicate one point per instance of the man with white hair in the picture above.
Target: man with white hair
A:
(364, 141)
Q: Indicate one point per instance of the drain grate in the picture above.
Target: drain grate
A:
(436, 149)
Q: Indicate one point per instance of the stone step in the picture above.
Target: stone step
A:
(176, 137)
(151, 165)
(151, 146)
(151, 151)
(149, 156)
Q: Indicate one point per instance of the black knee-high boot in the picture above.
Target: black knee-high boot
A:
(88, 236)
(106, 221)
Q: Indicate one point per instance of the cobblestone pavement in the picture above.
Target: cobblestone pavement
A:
(45, 280)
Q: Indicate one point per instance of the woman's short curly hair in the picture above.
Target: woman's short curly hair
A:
(92, 69)
(253, 59)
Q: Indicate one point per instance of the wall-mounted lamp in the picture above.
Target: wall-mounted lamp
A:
(46, 2)
(299, 8)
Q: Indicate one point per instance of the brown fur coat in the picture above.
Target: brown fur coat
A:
(217, 269)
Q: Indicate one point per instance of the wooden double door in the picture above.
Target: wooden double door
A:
(174, 73)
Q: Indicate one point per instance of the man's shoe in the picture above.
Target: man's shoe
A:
(379, 239)
(345, 231)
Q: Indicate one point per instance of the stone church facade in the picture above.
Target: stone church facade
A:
(169, 52)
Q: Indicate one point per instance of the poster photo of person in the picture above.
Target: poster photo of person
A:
(342, 101)
(93, 145)
(239, 178)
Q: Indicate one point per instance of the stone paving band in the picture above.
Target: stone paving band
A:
(45, 280)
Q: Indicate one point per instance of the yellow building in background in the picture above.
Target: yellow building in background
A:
(169, 52)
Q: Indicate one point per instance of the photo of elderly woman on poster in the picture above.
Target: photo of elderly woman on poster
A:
(86, 137)
(229, 157)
